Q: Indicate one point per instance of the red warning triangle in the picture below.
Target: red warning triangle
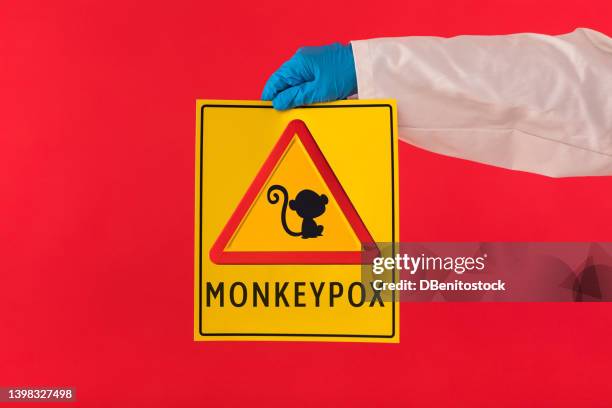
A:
(219, 252)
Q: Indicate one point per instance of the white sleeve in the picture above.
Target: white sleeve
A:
(529, 102)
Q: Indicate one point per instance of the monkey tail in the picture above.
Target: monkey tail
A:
(273, 198)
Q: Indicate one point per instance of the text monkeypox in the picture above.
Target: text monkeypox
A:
(291, 294)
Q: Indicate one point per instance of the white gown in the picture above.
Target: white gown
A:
(529, 102)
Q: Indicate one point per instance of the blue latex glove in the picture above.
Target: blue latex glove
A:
(313, 74)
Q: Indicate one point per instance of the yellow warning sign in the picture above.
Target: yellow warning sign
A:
(285, 203)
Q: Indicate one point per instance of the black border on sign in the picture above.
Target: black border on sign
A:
(200, 226)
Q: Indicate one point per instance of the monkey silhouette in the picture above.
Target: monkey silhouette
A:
(307, 204)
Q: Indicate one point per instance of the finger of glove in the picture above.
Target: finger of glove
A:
(299, 95)
(291, 73)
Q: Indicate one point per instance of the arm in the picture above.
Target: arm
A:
(528, 102)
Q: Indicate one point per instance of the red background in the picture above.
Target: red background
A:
(97, 113)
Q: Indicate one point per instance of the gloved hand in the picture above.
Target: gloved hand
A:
(313, 74)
